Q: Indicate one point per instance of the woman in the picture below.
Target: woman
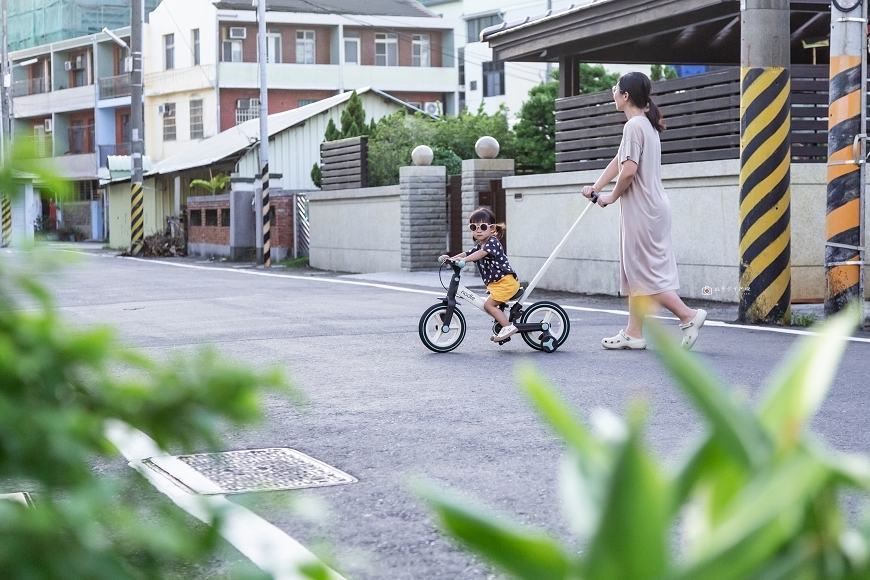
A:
(647, 261)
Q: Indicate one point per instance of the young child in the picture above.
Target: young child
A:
(493, 266)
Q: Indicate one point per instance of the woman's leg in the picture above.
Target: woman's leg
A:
(675, 304)
(638, 306)
(491, 307)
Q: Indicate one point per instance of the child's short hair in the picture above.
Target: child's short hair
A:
(485, 215)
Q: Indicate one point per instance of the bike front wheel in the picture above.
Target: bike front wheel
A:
(558, 326)
(433, 333)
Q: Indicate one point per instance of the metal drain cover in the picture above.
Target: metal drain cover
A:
(248, 471)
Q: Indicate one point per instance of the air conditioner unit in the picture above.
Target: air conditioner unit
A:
(162, 110)
(433, 108)
(238, 32)
(243, 104)
(48, 125)
(68, 65)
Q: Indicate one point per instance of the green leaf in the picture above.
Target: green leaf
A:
(526, 554)
(735, 428)
(803, 379)
(632, 539)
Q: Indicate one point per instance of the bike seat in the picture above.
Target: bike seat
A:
(518, 295)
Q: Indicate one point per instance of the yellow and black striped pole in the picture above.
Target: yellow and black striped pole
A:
(844, 255)
(137, 220)
(6, 223)
(267, 222)
(765, 163)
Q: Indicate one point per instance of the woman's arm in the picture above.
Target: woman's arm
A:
(626, 176)
(611, 171)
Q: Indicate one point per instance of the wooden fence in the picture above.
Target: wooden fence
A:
(344, 163)
(702, 114)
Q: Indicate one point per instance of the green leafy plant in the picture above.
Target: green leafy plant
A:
(804, 318)
(332, 132)
(758, 495)
(316, 175)
(353, 118)
(215, 185)
(660, 72)
(536, 130)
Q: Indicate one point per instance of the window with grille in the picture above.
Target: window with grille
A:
(194, 44)
(85, 191)
(196, 130)
(420, 48)
(303, 102)
(386, 49)
(305, 47)
(169, 122)
(476, 25)
(196, 217)
(211, 217)
(493, 79)
(246, 114)
(225, 217)
(169, 51)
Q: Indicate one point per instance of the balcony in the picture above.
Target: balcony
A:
(57, 101)
(26, 87)
(113, 149)
(246, 75)
(404, 78)
(114, 87)
(184, 79)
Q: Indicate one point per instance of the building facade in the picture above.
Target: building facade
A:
(203, 72)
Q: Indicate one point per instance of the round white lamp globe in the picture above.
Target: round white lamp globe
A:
(487, 148)
(422, 155)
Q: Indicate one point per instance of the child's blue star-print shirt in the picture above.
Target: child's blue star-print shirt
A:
(494, 266)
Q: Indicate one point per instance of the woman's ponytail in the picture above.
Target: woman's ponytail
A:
(655, 116)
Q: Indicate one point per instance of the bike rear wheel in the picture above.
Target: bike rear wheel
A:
(558, 326)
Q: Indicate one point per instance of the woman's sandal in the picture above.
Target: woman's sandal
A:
(623, 341)
(691, 328)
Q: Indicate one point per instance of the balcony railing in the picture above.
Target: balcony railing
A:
(113, 149)
(81, 139)
(26, 87)
(113, 87)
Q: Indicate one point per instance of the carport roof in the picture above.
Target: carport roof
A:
(649, 31)
(236, 140)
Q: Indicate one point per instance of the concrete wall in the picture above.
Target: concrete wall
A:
(356, 230)
(704, 198)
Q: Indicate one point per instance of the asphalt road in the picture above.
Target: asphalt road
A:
(386, 410)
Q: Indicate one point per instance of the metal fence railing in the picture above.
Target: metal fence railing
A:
(116, 86)
(303, 230)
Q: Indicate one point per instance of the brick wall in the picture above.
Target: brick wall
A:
(282, 224)
(218, 235)
(279, 101)
(322, 41)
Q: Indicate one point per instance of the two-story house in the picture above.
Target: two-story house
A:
(202, 71)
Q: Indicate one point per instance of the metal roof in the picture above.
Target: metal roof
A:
(648, 32)
(236, 140)
(363, 8)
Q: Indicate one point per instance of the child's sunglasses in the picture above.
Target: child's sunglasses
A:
(483, 227)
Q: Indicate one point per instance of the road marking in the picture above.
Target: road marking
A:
(431, 293)
(264, 544)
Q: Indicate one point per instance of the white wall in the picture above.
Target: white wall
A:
(355, 230)
(704, 198)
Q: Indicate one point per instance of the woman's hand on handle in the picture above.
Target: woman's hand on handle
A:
(588, 191)
(605, 200)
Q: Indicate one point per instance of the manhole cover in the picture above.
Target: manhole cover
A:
(248, 470)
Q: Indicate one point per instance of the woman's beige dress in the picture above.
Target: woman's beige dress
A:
(646, 250)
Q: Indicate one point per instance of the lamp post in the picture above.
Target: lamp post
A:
(263, 205)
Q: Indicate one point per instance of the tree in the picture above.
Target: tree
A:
(658, 72)
(353, 118)
(536, 130)
(215, 185)
(332, 133)
(595, 79)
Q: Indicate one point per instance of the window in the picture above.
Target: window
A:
(225, 217)
(304, 47)
(79, 72)
(232, 50)
(247, 109)
(351, 47)
(493, 79)
(273, 46)
(420, 50)
(303, 102)
(211, 217)
(475, 25)
(472, 86)
(169, 51)
(196, 217)
(196, 131)
(460, 53)
(39, 143)
(81, 136)
(194, 43)
(386, 49)
(169, 122)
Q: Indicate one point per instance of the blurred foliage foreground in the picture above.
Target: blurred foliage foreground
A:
(758, 497)
(58, 387)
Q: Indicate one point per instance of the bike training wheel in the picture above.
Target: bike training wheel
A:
(432, 333)
(548, 313)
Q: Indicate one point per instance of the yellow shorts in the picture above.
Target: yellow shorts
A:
(504, 289)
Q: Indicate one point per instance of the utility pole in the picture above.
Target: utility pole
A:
(765, 162)
(137, 210)
(4, 90)
(264, 210)
(847, 134)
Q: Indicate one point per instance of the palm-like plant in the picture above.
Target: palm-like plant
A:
(758, 494)
(215, 185)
